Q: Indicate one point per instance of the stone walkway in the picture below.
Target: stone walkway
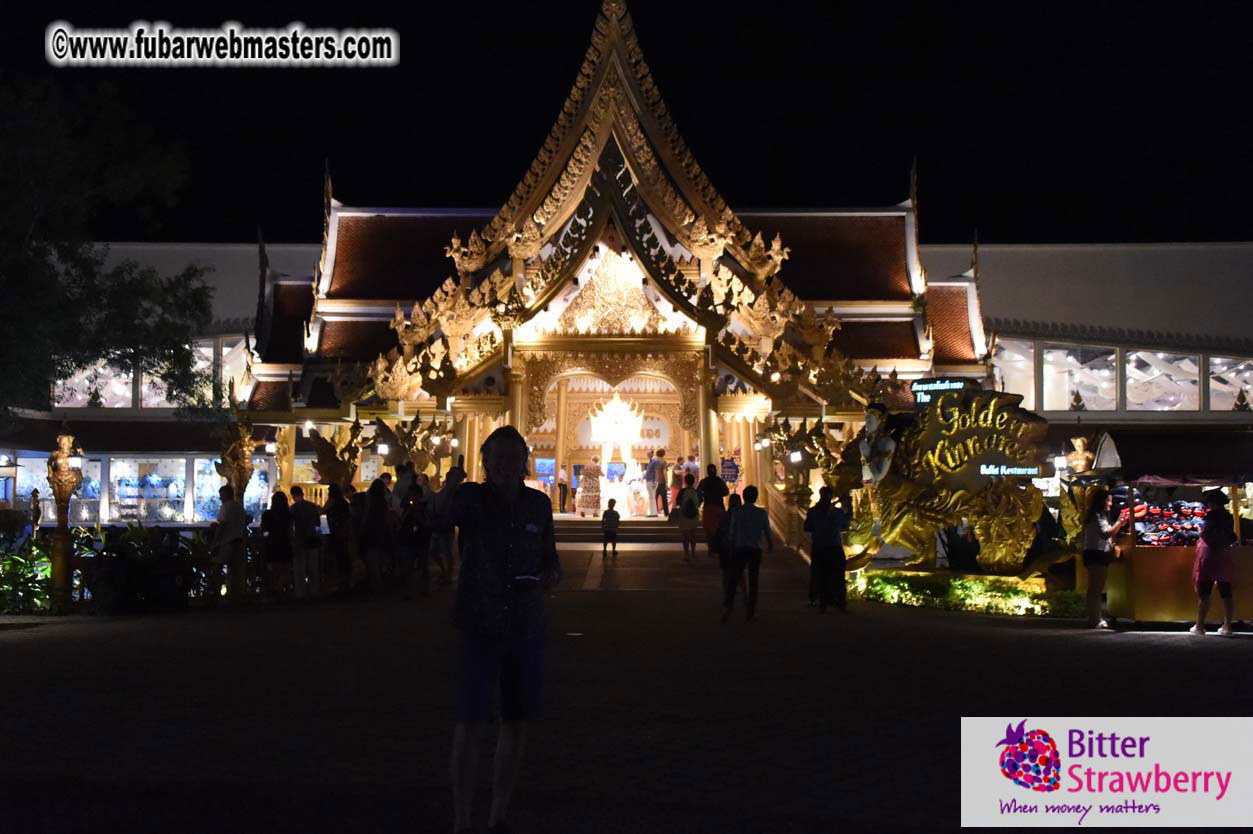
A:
(336, 716)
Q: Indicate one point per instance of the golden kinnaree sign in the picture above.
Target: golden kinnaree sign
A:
(966, 437)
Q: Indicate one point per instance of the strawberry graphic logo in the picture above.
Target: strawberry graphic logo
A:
(1030, 758)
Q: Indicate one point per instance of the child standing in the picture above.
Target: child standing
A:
(609, 529)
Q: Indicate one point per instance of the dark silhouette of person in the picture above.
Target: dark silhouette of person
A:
(712, 489)
(276, 524)
(749, 529)
(824, 522)
(508, 561)
(339, 524)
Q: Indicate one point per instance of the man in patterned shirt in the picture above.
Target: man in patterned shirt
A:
(508, 562)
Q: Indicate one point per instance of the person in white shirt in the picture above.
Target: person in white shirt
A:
(749, 528)
(563, 487)
(229, 532)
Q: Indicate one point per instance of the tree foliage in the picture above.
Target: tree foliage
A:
(68, 156)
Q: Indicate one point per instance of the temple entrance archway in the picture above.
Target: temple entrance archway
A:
(614, 406)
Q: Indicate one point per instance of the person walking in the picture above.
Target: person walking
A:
(687, 516)
(339, 523)
(655, 482)
(509, 562)
(229, 533)
(749, 529)
(721, 539)
(676, 482)
(609, 529)
(824, 522)
(712, 489)
(1098, 552)
(691, 467)
(276, 525)
(306, 546)
(1214, 562)
(378, 533)
(563, 487)
(589, 488)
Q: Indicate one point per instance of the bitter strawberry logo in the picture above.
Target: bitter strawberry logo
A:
(1030, 758)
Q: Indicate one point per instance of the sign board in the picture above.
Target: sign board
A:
(925, 391)
(730, 470)
(967, 437)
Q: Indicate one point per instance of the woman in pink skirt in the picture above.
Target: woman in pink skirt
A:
(1214, 562)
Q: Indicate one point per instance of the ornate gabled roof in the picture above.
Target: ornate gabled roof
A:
(615, 95)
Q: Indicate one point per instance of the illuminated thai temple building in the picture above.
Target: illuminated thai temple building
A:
(615, 272)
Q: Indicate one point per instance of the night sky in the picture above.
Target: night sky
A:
(1031, 122)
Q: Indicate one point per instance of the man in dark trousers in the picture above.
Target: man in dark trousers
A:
(508, 562)
(824, 522)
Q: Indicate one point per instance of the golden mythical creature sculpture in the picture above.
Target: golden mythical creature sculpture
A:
(410, 442)
(1082, 458)
(337, 459)
(64, 479)
(236, 463)
(970, 456)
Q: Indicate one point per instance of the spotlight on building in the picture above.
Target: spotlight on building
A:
(454, 443)
(271, 447)
(308, 427)
(383, 448)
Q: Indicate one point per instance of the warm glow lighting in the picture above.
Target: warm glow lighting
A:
(795, 457)
(271, 448)
(774, 377)
(383, 448)
(308, 425)
(616, 423)
(1059, 462)
(454, 443)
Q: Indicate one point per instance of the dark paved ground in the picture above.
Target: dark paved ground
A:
(336, 716)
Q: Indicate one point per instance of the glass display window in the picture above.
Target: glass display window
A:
(205, 501)
(1228, 376)
(148, 490)
(32, 474)
(257, 493)
(1088, 371)
(1159, 381)
(99, 386)
(1013, 363)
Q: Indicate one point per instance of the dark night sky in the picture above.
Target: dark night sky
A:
(1033, 122)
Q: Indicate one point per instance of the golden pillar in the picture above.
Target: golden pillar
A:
(708, 422)
(65, 479)
(559, 448)
(285, 458)
(517, 398)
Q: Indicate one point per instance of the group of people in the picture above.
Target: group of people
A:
(396, 529)
(1213, 565)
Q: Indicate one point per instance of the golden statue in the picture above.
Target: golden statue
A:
(1081, 459)
(236, 463)
(63, 478)
(337, 464)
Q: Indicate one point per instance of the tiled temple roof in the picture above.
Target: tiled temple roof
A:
(846, 257)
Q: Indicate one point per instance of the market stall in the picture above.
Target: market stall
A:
(1162, 476)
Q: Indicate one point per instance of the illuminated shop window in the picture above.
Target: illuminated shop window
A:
(208, 482)
(1159, 381)
(32, 473)
(1090, 371)
(152, 393)
(1013, 362)
(147, 490)
(1228, 376)
(99, 386)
